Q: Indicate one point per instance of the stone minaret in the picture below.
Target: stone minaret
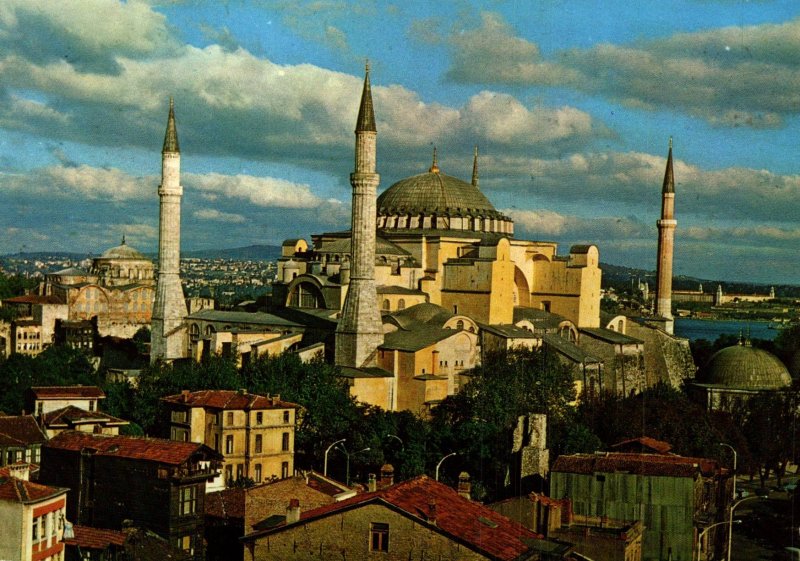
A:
(169, 310)
(666, 244)
(360, 330)
(475, 168)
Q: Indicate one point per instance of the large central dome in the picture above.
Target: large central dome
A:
(434, 192)
(744, 367)
(437, 201)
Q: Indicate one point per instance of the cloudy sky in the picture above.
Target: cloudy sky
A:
(571, 102)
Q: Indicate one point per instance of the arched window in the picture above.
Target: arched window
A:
(460, 324)
(401, 304)
(209, 330)
(385, 304)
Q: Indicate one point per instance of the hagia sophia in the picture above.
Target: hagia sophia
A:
(427, 280)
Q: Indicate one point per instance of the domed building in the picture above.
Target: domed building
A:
(117, 291)
(735, 374)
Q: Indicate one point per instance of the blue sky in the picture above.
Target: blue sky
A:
(571, 102)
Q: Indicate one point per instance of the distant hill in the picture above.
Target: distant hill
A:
(251, 253)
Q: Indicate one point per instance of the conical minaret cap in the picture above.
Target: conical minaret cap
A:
(366, 115)
(475, 167)
(669, 176)
(171, 136)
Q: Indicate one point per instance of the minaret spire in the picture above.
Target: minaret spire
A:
(666, 244)
(475, 168)
(167, 340)
(360, 330)
(435, 165)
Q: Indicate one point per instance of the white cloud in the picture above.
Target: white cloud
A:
(260, 191)
(213, 214)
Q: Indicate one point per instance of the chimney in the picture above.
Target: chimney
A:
(372, 484)
(293, 511)
(242, 391)
(20, 470)
(276, 399)
(387, 476)
(432, 511)
(464, 486)
(185, 396)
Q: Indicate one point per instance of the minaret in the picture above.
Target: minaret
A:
(475, 168)
(167, 340)
(666, 244)
(360, 331)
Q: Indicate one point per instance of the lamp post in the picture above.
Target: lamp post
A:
(328, 449)
(347, 455)
(733, 498)
(707, 528)
(440, 463)
(397, 438)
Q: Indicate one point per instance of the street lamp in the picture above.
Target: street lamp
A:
(397, 438)
(347, 455)
(328, 449)
(733, 498)
(707, 528)
(440, 463)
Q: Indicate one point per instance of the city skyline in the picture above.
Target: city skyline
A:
(571, 104)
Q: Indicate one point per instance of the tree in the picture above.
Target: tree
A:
(479, 421)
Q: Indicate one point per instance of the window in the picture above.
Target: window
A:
(285, 442)
(229, 473)
(185, 544)
(284, 470)
(181, 435)
(239, 471)
(188, 498)
(229, 420)
(91, 405)
(229, 444)
(286, 417)
(178, 416)
(35, 535)
(379, 537)
(216, 443)
(401, 304)
(259, 418)
(258, 446)
(257, 473)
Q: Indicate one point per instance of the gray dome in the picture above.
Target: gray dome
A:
(123, 251)
(435, 193)
(745, 367)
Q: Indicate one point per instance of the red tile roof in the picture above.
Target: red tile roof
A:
(71, 415)
(470, 523)
(17, 490)
(60, 392)
(20, 430)
(158, 450)
(229, 399)
(87, 537)
(643, 443)
(639, 464)
(226, 504)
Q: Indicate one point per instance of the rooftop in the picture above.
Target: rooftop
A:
(61, 392)
(470, 523)
(87, 537)
(71, 415)
(17, 490)
(20, 430)
(158, 450)
(667, 465)
(229, 399)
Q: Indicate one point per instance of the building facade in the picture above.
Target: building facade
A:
(156, 484)
(253, 433)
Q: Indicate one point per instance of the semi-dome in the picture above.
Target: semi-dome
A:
(744, 367)
(437, 201)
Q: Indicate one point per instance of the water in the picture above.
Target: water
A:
(694, 329)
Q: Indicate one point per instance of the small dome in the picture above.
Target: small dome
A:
(122, 251)
(291, 264)
(434, 192)
(745, 367)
